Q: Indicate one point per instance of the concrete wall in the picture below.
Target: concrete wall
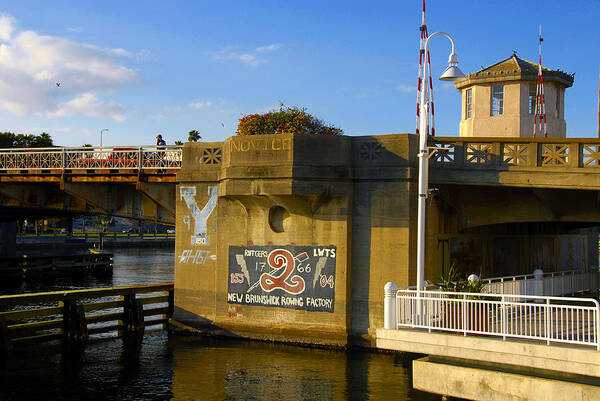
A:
(341, 213)
(347, 202)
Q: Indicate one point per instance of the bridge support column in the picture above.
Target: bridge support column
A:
(8, 239)
(293, 237)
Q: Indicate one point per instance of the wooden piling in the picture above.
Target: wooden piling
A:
(75, 331)
(5, 344)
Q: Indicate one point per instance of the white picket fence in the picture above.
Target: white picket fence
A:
(569, 282)
(544, 318)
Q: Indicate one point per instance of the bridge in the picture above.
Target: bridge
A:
(340, 214)
(127, 181)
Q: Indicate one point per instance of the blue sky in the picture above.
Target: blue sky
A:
(143, 67)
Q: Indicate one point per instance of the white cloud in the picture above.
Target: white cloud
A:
(406, 88)
(119, 52)
(158, 116)
(89, 105)
(269, 48)
(251, 58)
(31, 65)
(144, 55)
(246, 58)
(64, 130)
(199, 105)
(7, 23)
(73, 29)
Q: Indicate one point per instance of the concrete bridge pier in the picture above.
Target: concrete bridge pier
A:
(8, 239)
(292, 238)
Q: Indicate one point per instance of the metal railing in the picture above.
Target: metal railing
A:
(527, 153)
(548, 284)
(549, 319)
(88, 158)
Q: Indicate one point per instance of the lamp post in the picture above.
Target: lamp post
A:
(450, 74)
(101, 132)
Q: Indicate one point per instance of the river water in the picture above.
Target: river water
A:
(177, 367)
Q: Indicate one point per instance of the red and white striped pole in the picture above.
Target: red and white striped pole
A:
(539, 119)
(424, 59)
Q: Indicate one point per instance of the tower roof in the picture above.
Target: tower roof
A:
(514, 68)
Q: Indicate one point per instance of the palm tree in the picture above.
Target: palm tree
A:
(194, 136)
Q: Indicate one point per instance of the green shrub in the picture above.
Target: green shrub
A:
(286, 120)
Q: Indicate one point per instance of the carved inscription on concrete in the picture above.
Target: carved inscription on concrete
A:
(259, 144)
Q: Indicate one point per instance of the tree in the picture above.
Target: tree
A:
(194, 136)
(11, 140)
(103, 221)
(178, 143)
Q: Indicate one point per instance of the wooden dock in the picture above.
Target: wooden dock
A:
(73, 316)
(52, 266)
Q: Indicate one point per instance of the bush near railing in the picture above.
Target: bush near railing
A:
(292, 120)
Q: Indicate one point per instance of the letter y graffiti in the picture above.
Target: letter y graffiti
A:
(199, 235)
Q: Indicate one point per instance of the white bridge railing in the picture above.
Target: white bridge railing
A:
(86, 158)
(548, 284)
(550, 319)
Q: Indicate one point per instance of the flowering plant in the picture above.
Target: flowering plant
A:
(452, 282)
(286, 120)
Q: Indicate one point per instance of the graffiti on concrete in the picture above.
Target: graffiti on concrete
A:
(200, 216)
(197, 257)
(298, 277)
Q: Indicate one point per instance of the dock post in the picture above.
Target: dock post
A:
(133, 319)
(74, 326)
(171, 308)
(5, 344)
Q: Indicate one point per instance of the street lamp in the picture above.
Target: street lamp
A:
(450, 74)
(101, 132)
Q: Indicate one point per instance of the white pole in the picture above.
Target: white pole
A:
(423, 156)
(101, 132)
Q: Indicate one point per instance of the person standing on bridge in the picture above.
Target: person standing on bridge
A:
(160, 143)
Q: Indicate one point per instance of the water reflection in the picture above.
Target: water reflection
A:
(175, 367)
(209, 369)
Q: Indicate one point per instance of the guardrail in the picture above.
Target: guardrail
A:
(548, 284)
(515, 152)
(88, 158)
(74, 315)
(549, 319)
(95, 234)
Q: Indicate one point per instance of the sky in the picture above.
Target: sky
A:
(138, 68)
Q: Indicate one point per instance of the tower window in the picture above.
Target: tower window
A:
(532, 93)
(497, 104)
(469, 104)
(557, 111)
